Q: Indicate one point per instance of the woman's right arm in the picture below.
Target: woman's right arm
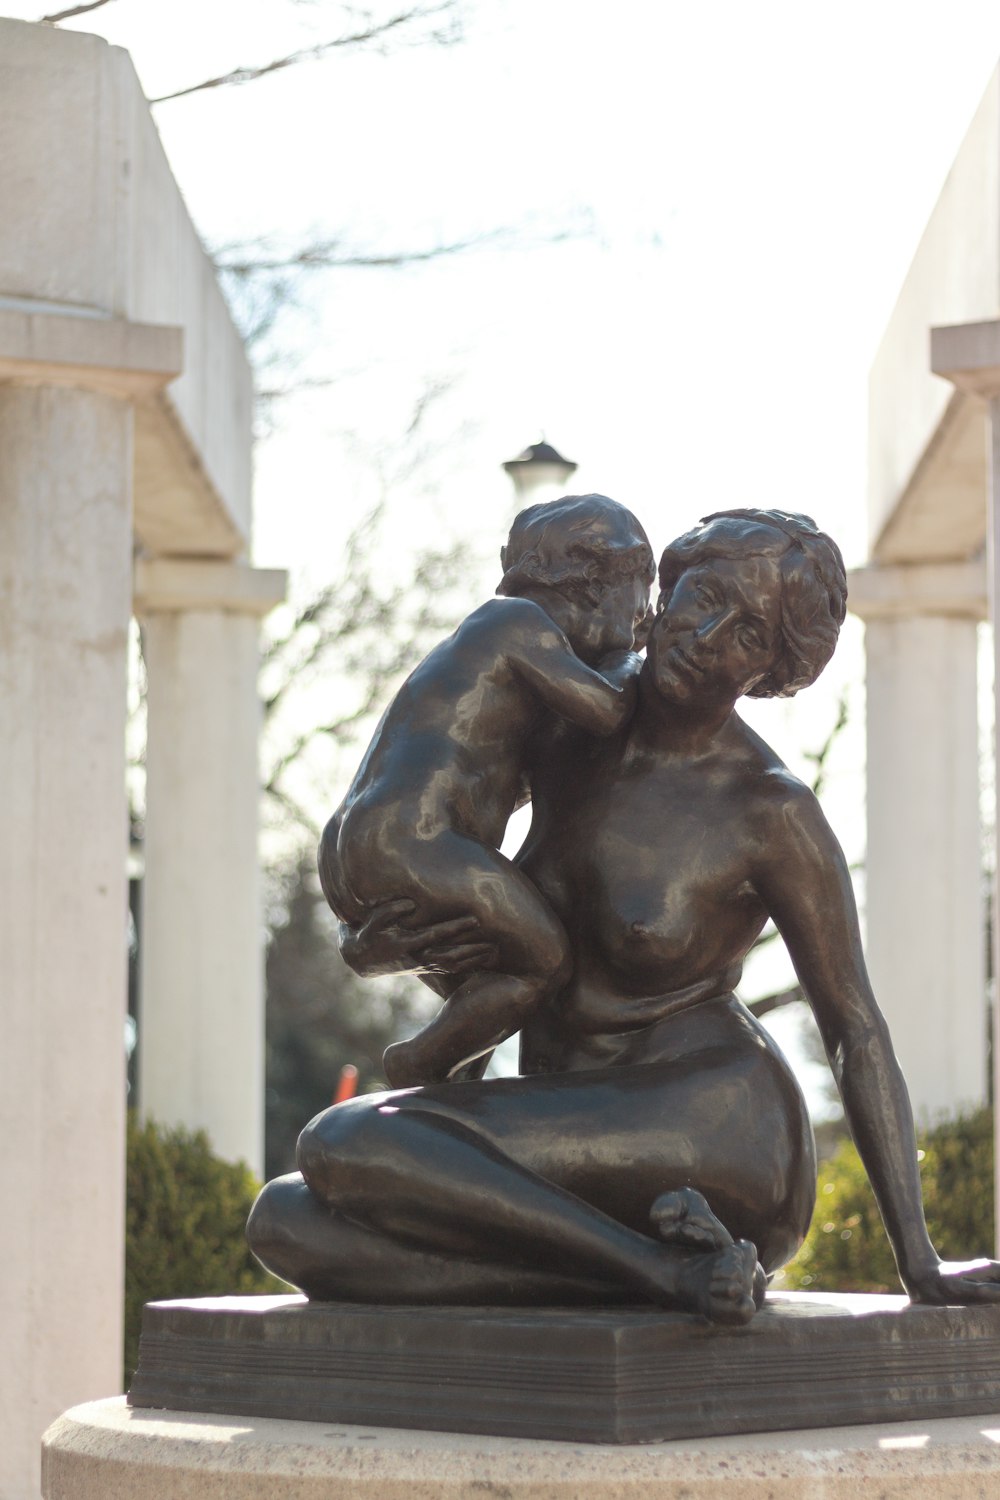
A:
(804, 882)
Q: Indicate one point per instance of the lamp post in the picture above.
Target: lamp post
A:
(539, 473)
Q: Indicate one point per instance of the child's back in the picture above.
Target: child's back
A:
(449, 751)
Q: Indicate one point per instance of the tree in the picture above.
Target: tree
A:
(830, 1131)
(819, 760)
(320, 1016)
(436, 21)
(332, 661)
(268, 277)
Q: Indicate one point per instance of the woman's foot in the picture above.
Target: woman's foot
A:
(720, 1286)
(683, 1217)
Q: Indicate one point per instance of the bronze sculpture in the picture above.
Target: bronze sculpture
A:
(648, 1092)
(426, 812)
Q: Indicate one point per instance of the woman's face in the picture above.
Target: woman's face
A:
(718, 633)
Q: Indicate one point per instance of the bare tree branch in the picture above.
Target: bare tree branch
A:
(819, 757)
(74, 10)
(264, 280)
(295, 388)
(295, 811)
(819, 760)
(370, 31)
(325, 255)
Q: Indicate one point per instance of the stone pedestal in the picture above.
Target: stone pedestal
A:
(619, 1375)
(106, 1451)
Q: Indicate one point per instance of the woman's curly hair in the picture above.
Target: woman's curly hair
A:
(813, 584)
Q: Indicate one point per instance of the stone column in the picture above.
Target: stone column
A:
(201, 1014)
(969, 356)
(925, 900)
(66, 385)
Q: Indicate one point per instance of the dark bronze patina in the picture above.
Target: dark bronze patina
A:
(656, 1147)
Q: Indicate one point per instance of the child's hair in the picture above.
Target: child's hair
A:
(577, 545)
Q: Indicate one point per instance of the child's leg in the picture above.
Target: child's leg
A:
(490, 1005)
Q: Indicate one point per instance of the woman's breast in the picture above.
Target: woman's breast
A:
(664, 914)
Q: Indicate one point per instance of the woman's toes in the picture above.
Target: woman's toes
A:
(683, 1217)
(730, 1294)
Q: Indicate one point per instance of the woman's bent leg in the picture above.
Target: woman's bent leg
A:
(426, 1179)
(330, 1258)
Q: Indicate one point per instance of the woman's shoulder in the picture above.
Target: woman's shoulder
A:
(770, 788)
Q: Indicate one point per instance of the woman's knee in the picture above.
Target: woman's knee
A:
(336, 1151)
(275, 1207)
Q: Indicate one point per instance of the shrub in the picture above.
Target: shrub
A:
(846, 1249)
(185, 1210)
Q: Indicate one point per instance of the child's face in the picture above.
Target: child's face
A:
(611, 624)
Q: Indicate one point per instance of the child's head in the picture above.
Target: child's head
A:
(577, 545)
(593, 552)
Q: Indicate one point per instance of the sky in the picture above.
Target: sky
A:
(707, 214)
(746, 185)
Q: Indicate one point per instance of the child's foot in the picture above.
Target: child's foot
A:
(683, 1217)
(405, 1067)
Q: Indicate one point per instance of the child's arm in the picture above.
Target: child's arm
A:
(599, 702)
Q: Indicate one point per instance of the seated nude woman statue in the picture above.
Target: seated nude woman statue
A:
(656, 1146)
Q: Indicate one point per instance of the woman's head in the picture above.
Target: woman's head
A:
(813, 585)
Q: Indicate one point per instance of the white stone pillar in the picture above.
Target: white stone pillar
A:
(969, 356)
(925, 901)
(65, 584)
(201, 1013)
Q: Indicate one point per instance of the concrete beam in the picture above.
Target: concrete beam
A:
(950, 590)
(940, 513)
(968, 354)
(110, 355)
(164, 585)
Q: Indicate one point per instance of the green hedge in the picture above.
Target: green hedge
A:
(184, 1217)
(846, 1249)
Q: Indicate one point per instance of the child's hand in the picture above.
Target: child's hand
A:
(621, 668)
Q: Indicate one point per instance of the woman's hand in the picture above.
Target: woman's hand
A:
(956, 1281)
(384, 944)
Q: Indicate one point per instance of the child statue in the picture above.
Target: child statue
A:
(417, 834)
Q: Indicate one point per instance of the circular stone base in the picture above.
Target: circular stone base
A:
(108, 1451)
